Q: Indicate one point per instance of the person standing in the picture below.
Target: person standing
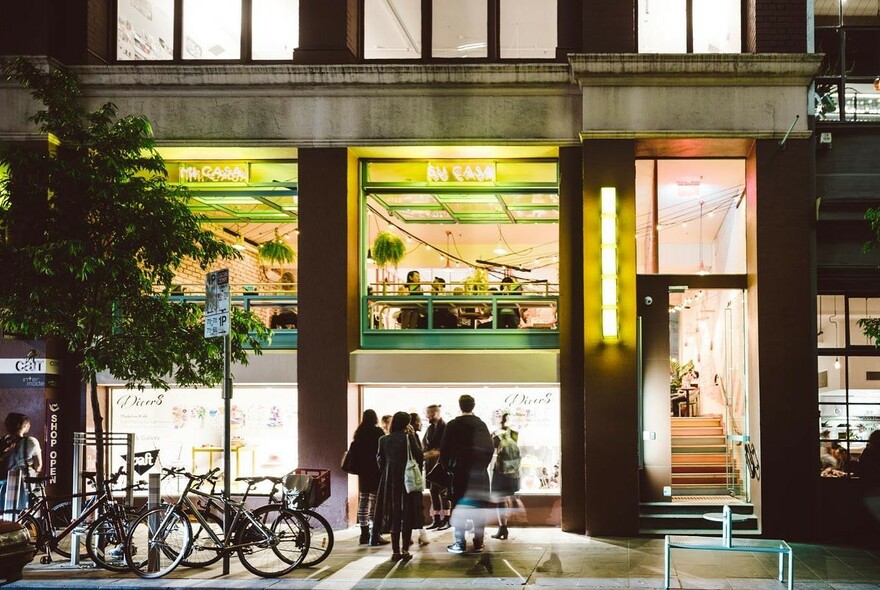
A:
(397, 509)
(440, 506)
(23, 454)
(364, 448)
(415, 422)
(868, 470)
(505, 474)
(466, 450)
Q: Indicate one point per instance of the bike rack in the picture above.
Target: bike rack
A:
(82, 441)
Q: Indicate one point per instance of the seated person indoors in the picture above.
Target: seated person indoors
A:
(443, 315)
(508, 313)
(285, 318)
(413, 316)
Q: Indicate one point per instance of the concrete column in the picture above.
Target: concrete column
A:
(571, 337)
(610, 384)
(781, 255)
(329, 32)
(328, 313)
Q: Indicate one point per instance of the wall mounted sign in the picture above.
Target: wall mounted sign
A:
(461, 172)
(29, 372)
(213, 172)
(53, 419)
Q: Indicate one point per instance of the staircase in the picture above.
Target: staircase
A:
(700, 465)
(704, 479)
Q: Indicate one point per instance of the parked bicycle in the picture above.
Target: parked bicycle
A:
(269, 541)
(300, 492)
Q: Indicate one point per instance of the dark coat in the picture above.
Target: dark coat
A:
(431, 442)
(466, 451)
(364, 449)
(869, 466)
(397, 509)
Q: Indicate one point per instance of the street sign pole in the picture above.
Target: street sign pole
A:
(218, 323)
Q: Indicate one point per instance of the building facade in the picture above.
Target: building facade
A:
(665, 151)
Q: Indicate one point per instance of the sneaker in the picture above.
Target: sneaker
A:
(444, 524)
(456, 548)
(477, 548)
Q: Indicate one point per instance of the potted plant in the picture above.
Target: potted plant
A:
(274, 254)
(677, 372)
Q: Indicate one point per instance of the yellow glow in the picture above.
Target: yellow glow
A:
(609, 292)
(609, 230)
(608, 204)
(609, 324)
(609, 261)
(609, 200)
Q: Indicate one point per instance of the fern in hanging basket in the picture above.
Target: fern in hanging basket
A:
(388, 249)
(277, 251)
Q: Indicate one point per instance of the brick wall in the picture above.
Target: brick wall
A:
(609, 26)
(100, 43)
(241, 272)
(776, 26)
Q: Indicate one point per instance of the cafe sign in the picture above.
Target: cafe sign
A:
(461, 172)
(213, 172)
(29, 372)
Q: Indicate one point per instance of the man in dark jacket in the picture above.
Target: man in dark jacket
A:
(440, 507)
(466, 451)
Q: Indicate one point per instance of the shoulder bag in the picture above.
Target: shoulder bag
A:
(413, 480)
(347, 464)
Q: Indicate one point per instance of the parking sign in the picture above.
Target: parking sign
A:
(217, 303)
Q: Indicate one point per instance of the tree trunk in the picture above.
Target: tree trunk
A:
(99, 430)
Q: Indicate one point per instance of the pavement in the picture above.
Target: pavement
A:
(534, 557)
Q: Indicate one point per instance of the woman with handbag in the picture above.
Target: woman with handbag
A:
(362, 461)
(399, 502)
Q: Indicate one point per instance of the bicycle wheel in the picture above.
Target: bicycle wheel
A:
(274, 544)
(157, 542)
(105, 540)
(320, 537)
(60, 516)
(204, 550)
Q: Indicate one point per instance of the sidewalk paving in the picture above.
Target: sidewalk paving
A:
(536, 557)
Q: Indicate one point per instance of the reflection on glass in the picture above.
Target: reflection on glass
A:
(662, 26)
(275, 29)
(392, 29)
(717, 26)
(460, 28)
(831, 322)
(144, 30)
(528, 29)
(212, 29)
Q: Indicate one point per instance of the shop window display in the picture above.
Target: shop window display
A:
(145, 30)
(533, 413)
(184, 428)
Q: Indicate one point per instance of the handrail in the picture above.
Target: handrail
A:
(729, 407)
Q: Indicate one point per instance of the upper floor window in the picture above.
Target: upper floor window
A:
(690, 26)
(207, 30)
(459, 29)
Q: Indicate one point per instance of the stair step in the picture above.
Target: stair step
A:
(699, 478)
(700, 468)
(692, 489)
(696, 421)
(698, 458)
(711, 449)
(714, 440)
(692, 508)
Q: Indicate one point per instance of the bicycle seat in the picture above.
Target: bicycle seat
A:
(33, 480)
(251, 480)
(89, 474)
(276, 480)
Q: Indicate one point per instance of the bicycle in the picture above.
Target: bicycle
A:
(296, 495)
(269, 543)
(51, 529)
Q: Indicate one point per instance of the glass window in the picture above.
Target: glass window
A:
(717, 26)
(392, 29)
(861, 308)
(528, 29)
(831, 329)
(212, 29)
(695, 223)
(662, 26)
(533, 413)
(274, 29)
(144, 30)
(460, 28)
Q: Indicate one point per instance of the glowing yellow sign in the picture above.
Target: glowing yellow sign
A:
(608, 210)
(214, 172)
(461, 172)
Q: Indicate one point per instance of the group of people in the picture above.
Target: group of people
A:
(455, 457)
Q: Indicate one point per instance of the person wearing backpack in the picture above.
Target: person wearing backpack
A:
(19, 452)
(505, 474)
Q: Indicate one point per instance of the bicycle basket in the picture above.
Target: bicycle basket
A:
(306, 488)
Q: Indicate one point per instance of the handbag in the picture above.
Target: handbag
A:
(438, 476)
(413, 480)
(347, 463)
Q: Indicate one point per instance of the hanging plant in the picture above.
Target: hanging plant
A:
(388, 249)
(477, 282)
(277, 251)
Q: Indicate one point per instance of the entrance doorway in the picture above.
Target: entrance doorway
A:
(694, 388)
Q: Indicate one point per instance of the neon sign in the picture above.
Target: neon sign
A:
(214, 172)
(473, 172)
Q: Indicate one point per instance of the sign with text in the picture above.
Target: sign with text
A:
(213, 172)
(461, 172)
(29, 372)
(53, 419)
(217, 303)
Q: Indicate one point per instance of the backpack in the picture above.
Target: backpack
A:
(8, 445)
(508, 455)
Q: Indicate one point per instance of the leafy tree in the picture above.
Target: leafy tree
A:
(871, 326)
(93, 234)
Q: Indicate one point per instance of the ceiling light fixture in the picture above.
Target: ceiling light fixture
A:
(500, 250)
(239, 243)
(702, 270)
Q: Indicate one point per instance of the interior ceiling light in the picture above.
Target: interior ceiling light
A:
(689, 187)
(239, 243)
(500, 250)
(702, 270)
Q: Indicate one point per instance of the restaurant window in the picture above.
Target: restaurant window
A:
(209, 30)
(460, 29)
(848, 382)
(533, 411)
(690, 26)
(184, 428)
(691, 216)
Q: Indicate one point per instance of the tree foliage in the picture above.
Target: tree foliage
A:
(93, 235)
(871, 326)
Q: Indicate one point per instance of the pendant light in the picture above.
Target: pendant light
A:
(500, 250)
(702, 270)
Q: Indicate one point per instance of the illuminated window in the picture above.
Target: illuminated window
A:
(392, 29)
(459, 28)
(714, 26)
(528, 29)
(144, 30)
(274, 29)
(211, 29)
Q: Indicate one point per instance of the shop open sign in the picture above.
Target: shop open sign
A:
(144, 461)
